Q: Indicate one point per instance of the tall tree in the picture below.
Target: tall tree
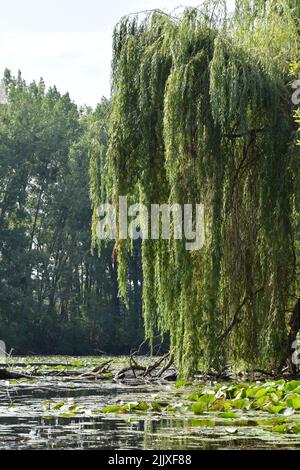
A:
(55, 295)
(201, 112)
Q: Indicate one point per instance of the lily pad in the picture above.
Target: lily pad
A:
(228, 414)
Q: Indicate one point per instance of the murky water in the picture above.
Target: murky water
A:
(32, 416)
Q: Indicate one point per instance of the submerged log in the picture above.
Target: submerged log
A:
(7, 375)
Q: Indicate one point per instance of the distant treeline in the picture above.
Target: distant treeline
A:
(56, 296)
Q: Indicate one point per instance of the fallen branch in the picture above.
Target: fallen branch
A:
(7, 375)
(156, 364)
(98, 371)
(149, 373)
(166, 366)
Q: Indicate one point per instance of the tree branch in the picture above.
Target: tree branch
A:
(235, 318)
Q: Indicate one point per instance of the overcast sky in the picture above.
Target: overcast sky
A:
(67, 42)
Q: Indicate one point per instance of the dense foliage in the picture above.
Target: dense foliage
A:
(201, 112)
(55, 295)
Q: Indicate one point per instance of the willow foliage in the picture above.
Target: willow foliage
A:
(201, 114)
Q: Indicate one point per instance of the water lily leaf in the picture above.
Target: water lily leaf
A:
(59, 405)
(251, 392)
(73, 407)
(198, 408)
(232, 391)
(296, 429)
(228, 414)
(275, 397)
(261, 392)
(68, 415)
(155, 406)
(171, 408)
(242, 393)
(292, 385)
(293, 403)
(257, 404)
(274, 408)
(142, 406)
(282, 428)
(111, 409)
(240, 403)
(227, 405)
(193, 397)
(217, 405)
(131, 405)
(182, 383)
(207, 399)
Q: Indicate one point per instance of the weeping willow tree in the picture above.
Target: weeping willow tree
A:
(201, 113)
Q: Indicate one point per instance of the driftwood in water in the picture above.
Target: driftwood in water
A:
(152, 372)
(98, 371)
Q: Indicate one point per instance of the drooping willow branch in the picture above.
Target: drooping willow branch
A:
(201, 114)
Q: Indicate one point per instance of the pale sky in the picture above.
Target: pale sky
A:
(67, 42)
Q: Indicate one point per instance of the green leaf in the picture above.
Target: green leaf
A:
(242, 393)
(142, 406)
(292, 385)
(232, 391)
(59, 405)
(251, 392)
(217, 405)
(193, 397)
(68, 415)
(240, 403)
(275, 408)
(155, 406)
(228, 414)
(257, 404)
(296, 429)
(182, 383)
(261, 392)
(73, 407)
(281, 428)
(293, 403)
(111, 409)
(171, 408)
(207, 399)
(198, 408)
